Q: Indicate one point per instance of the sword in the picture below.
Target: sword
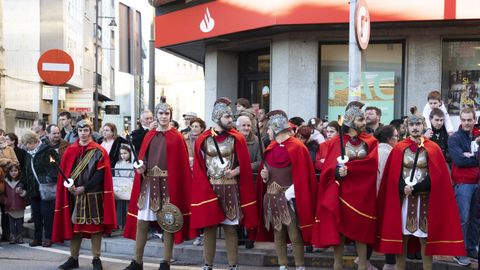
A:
(343, 158)
(67, 182)
(411, 180)
(214, 134)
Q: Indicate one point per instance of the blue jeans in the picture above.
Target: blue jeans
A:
(465, 196)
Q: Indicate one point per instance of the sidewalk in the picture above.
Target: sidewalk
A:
(262, 255)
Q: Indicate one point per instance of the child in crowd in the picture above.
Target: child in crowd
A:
(122, 180)
(15, 202)
(435, 101)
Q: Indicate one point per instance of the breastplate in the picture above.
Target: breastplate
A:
(421, 170)
(356, 151)
(215, 168)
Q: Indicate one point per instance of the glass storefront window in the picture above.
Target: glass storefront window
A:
(461, 75)
(254, 78)
(381, 79)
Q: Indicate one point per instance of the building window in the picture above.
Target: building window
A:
(125, 39)
(381, 79)
(254, 77)
(461, 75)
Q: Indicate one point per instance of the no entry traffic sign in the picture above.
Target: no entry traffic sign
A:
(55, 67)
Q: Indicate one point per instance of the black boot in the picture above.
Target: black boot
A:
(164, 266)
(71, 263)
(134, 266)
(97, 264)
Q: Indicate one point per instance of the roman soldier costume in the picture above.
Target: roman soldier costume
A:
(161, 194)
(216, 198)
(286, 196)
(404, 220)
(346, 206)
(91, 213)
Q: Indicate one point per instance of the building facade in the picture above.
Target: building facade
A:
(293, 55)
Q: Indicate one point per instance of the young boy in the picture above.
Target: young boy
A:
(435, 101)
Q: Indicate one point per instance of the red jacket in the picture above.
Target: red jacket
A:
(13, 201)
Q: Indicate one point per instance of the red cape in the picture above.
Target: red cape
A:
(303, 175)
(63, 228)
(321, 154)
(347, 206)
(206, 210)
(179, 184)
(444, 230)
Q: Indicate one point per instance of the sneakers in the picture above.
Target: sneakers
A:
(164, 266)
(134, 266)
(233, 267)
(249, 244)
(283, 267)
(97, 264)
(207, 267)
(462, 260)
(198, 241)
(71, 263)
(300, 268)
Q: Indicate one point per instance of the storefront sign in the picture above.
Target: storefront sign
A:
(377, 89)
(222, 17)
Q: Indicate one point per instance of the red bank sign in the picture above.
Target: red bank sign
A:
(223, 17)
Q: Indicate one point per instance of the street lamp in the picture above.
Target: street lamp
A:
(95, 94)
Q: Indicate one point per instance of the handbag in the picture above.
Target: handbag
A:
(48, 191)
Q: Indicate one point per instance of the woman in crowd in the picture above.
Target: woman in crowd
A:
(332, 130)
(111, 142)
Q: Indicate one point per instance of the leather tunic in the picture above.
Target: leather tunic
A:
(276, 207)
(416, 217)
(356, 151)
(226, 189)
(89, 205)
(155, 178)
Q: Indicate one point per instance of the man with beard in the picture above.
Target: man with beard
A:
(346, 206)
(222, 192)
(86, 209)
(372, 119)
(166, 169)
(416, 199)
(286, 191)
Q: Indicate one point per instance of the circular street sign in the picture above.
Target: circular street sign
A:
(55, 67)
(362, 24)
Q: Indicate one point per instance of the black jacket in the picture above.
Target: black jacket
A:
(46, 171)
(137, 138)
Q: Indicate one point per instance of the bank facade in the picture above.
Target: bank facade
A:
(293, 55)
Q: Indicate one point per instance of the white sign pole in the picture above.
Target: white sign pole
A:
(354, 59)
(55, 104)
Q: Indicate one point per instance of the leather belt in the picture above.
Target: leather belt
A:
(223, 181)
(157, 172)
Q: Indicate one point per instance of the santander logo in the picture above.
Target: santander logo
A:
(208, 23)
